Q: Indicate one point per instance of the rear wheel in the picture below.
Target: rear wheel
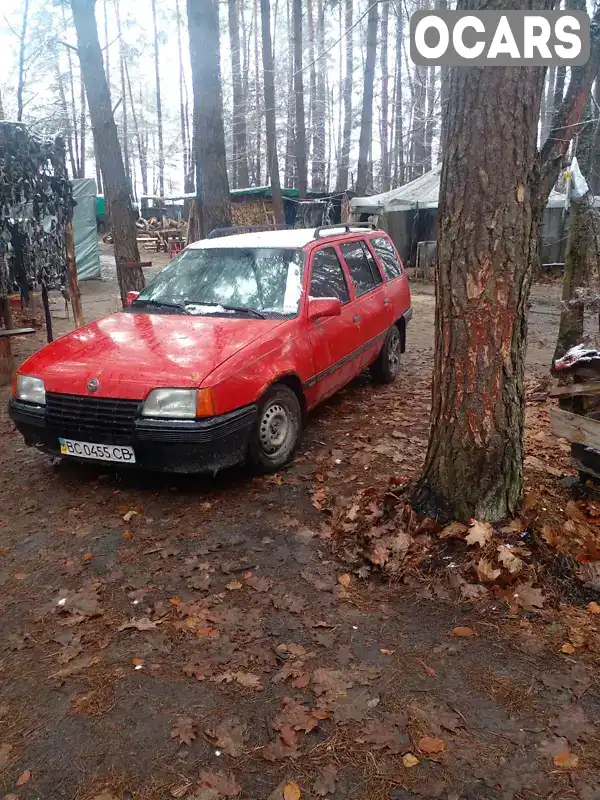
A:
(387, 366)
(276, 433)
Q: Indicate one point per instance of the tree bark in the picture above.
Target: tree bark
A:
(366, 120)
(182, 114)
(212, 184)
(548, 104)
(312, 73)
(442, 5)
(106, 45)
(269, 83)
(22, 47)
(72, 281)
(124, 131)
(290, 172)
(399, 118)
(239, 110)
(106, 142)
(489, 223)
(142, 155)
(257, 92)
(384, 127)
(429, 118)
(301, 168)
(320, 111)
(82, 129)
(344, 163)
(159, 117)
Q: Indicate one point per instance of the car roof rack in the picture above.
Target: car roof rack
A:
(328, 230)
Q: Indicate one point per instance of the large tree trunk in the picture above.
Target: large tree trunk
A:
(269, 82)
(159, 117)
(344, 162)
(384, 127)
(312, 74)
(239, 110)
(366, 120)
(290, 172)
(489, 223)
(301, 169)
(212, 185)
(106, 142)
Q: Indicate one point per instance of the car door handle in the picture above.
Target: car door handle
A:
(356, 318)
(386, 301)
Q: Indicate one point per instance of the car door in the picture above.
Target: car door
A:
(333, 339)
(397, 282)
(372, 301)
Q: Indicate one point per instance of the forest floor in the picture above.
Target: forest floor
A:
(301, 635)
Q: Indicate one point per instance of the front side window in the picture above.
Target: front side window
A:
(226, 280)
(387, 255)
(327, 276)
(361, 271)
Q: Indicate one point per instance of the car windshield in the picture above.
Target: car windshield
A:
(228, 280)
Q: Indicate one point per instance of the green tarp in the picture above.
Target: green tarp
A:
(87, 252)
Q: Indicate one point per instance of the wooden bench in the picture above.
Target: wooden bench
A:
(7, 364)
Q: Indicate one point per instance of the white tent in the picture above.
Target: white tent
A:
(423, 192)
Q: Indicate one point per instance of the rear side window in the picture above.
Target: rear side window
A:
(387, 256)
(327, 276)
(363, 270)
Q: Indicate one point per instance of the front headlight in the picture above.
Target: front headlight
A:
(30, 390)
(178, 403)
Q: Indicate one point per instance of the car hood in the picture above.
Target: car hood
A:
(132, 353)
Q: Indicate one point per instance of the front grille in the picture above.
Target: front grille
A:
(96, 419)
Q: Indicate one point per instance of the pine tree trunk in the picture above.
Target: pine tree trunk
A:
(22, 48)
(182, 105)
(366, 120)
(429, 117)
(344, 164)
(82, 129)
(290, 172)
(62, 98)
(138, 138)
(312, 72)
(442, 5)
(106, 142)
(301, 168)
(124, 129)
(106, 47)
(384, 137)
(257, 93)
(212, 184)
(269, 83)
(489, 223)
(239, 110)
(318, 172)
(159, 117)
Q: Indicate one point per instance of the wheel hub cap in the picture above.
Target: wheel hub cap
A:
(274, 428)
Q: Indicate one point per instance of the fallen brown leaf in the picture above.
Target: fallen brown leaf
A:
(429, 744)
(24, 778)
(463, 633)
(479, 533)
(326, 782)
(142, 624)
(229, 735)
(225, 785)
(567, 648)
(344, 580)
(566, 760)
(409, 760)
(291, 791)
(185, 731)
(486, 572)
(509, 560)
(593, 607)
(527, 597)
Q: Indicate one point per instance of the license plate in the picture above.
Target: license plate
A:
(99, 452)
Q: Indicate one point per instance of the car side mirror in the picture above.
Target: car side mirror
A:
(130, 297)
(319, 307)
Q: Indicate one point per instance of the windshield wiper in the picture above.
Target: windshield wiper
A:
(240, 309)
(161, 304)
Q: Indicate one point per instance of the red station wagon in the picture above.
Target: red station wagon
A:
(220, 357)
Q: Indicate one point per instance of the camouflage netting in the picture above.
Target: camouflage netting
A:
(35, 204)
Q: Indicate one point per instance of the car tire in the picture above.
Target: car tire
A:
(276, 433)
(387, 366)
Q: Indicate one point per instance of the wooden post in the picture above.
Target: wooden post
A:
(72, 283)
(49, 335)
(7, 364)
(6, 312)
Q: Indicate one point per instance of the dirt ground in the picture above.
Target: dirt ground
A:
(207, 638)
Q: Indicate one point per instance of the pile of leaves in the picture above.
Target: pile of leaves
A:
(526, 563)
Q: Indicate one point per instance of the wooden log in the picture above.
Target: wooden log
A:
(575, 427)
(72, 282)
(7, 363)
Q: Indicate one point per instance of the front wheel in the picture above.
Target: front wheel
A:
(276, 433)
(387, 366)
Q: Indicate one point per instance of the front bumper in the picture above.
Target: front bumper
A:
(204, 445)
